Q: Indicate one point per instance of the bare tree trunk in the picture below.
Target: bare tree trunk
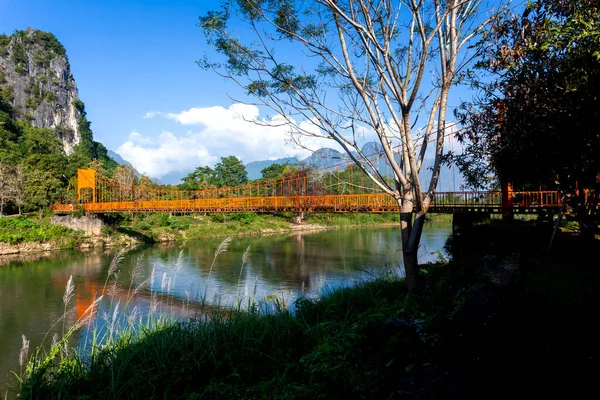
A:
(409, 251)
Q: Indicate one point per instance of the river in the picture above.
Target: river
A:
(282, 267)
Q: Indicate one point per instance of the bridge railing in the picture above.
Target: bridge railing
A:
(472, 199)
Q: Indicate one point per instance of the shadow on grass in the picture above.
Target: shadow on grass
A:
(136, 234)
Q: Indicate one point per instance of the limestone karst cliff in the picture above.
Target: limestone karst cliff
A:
(36, 79)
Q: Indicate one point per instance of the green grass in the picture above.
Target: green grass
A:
(21, 230)
(337, 346)
(353, 342)
(349, 219)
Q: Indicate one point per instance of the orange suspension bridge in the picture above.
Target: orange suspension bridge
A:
(340, 188)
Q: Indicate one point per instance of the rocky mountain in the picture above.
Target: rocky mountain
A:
(122, 161)
(450, 178)
(36, 80)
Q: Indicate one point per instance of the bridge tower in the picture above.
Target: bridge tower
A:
(86, 179)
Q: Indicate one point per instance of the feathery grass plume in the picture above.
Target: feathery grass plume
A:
(163, 282)
(113, 267)
(24, 351)
(152, 276)
(133, 316)
(222, 248)
(113, 322)
(179, 262)
(54, 339)
(139, 287)
(136, 271)
(115, 263)
(245, 259)
(67, 296)
(112, 289)
(88, 315)
(69, 289)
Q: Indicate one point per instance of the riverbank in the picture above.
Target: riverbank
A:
(506, 316)
(21, 235)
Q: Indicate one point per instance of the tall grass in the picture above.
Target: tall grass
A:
(341, 345)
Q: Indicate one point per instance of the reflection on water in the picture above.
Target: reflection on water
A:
(288, 266)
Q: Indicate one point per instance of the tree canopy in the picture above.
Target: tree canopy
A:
(230, 171)
(536, 122)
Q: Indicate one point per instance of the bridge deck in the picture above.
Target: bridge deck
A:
(472, 202)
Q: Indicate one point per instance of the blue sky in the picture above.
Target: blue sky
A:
(136, 59)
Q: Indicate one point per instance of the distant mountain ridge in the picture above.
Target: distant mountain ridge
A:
(120, 160)
(450, 179)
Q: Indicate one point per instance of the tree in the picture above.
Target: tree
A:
(41, 189)
(18, 186)
(200, 178)
(274, 170)
(374, 66)
(230, 171)
(146, 181)
(6, 176)
(536, 121)
(126, 176)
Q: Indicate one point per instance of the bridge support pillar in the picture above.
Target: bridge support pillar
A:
(507, 200)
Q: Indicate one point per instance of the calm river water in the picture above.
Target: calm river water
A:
(287, 266)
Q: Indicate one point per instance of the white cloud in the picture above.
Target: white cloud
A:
(152, 114)
(218, 132)
(168, 154)
(137, 138)
(214, 132)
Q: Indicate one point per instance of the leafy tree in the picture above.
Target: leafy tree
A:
(18, 186)
(145, 180)
(200, 178)
(5, 185)
(230, 171)
(41, 189)
(274, 171)
(126, 176)
(536, 122)
(370, 66)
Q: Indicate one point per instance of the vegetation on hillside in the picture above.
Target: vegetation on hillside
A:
(22, 230)
(34, 170)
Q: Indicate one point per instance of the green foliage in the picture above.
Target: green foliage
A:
(4, 42)
(243, 217)
(230, 171)
(39, 150)
(274, 171)
(336, 219)
(20, 230)
(19, 58)
(537, 119)
(48, 42)
(41, 189)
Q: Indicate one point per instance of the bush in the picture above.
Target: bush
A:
(243, 217)
(19, 230)
(179, 223)
(217, 217)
